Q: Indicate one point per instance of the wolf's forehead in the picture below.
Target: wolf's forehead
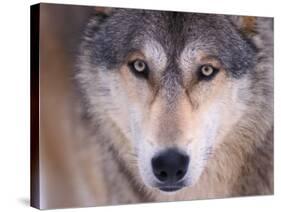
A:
(169, 37)
(161, 56)
(165, 38)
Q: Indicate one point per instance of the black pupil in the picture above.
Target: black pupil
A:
(207, 70)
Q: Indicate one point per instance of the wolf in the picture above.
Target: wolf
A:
(175, 106)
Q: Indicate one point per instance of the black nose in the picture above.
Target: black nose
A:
(170, 166)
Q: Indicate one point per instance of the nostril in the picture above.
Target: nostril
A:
(180, 174)
(162, 176)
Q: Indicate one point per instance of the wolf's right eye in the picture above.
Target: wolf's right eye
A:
(139, 68)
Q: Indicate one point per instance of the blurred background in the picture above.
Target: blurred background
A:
(61, 28)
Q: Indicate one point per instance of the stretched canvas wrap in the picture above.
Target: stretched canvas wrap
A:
(133, 106)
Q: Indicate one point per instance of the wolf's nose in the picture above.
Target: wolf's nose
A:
(170, 166)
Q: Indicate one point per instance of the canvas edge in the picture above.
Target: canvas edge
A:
(34, 102)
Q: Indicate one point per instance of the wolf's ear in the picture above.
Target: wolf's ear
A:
(246, 24)
(257, 29)
(99, 16)
(103, 10)
(251, 25)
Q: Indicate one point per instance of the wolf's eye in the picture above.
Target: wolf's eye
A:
(139, 68)
(207, 72)
(139, 65)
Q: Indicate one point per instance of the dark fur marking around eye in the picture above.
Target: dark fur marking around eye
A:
(201, 76)
(137, 73)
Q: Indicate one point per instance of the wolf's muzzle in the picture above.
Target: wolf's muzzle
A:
(170, 167)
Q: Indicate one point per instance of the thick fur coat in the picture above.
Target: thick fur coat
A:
(224, 124)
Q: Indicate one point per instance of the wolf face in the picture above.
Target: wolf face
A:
(166, 88)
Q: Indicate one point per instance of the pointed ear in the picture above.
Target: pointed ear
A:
(100, 14)
(103, 10)
(258, 29)
(246, 24)
(249, 25)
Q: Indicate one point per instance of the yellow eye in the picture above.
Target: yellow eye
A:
(207, 70)
(139, 65)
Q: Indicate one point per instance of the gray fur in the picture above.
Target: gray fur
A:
(107, 42)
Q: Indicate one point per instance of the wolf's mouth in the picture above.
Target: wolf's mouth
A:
(170, 188)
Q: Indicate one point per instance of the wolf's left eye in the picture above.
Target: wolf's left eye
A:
(139, 68)
(207, 72)
(139, 65)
